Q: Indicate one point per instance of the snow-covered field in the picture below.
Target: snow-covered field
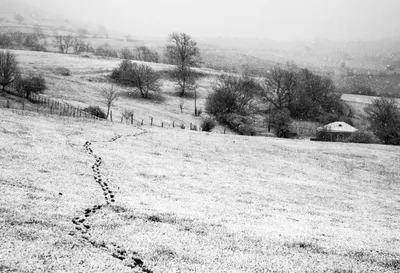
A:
(193, 202)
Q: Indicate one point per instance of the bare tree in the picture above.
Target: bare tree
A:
(127, 114)
(9, 69)
(279, 87)
(145, 54)
(79, 46)
(109, 96)
(140, 76)
(19, 18)
(125, 53)
(37, 29)
(82, 32)
(63, 42)
(184, 53)
(384, 117)
(185, 79)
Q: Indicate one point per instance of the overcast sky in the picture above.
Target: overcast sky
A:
(265, 19)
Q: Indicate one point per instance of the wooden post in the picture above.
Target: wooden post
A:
(142, 121)
(151, 122)
(122, 118)
(162, 124)
(23, 104)
(8, 103)
(51, 109)
(173, 124)
(224, 130)
(111, 115)
(131, 119)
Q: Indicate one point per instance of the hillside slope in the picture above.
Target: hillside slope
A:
(192, 202)
(89, 76)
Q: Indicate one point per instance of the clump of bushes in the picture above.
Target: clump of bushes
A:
(62, 71)
(139, 76)
(281, 122)
(231, 103)
(362, 137)
(95, 111)
(240, 123)
(32, 84)
(208, 124)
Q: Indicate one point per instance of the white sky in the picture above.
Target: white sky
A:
(265, 19)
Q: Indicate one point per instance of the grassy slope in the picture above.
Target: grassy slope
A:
(82, 88)
(195, 202)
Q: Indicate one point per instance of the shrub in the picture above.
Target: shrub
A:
(207, 125)
(362, 137)
(88, 55)
(239, 123)
(107, 51)
(281, 121)
(32, 84)
(232, 95)
(63, 71)
(5, 40)
(139, 76)
(95, 111)
(384, 118)
(246, 130)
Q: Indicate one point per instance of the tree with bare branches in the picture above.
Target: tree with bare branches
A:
(145, 54)
(279, 87)
(183, 52)
(139, 76)
(9, 69)
(109, 96)
(19, 18)
(63, 42)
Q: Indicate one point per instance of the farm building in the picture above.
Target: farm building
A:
(336, 131)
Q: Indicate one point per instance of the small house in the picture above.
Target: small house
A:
(335, 131)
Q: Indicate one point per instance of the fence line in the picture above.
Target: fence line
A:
(55, 107)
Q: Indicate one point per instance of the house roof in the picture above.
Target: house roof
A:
(338, 127)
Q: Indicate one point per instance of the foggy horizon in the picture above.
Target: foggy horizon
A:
(267, 20)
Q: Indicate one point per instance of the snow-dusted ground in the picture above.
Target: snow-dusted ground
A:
(194, 202)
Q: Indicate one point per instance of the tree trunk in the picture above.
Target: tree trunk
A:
(108, 112)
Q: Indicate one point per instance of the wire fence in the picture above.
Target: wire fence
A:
(46, 105)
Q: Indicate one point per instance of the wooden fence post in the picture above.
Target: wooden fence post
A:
(224, 130)
(173, 124)
(131, 119)
(23, 104)
(151, 122)
(8, 103)
(111, 115)
(142, 121)
(162, 124)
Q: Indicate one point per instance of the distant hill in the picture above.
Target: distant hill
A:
(33, 15)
